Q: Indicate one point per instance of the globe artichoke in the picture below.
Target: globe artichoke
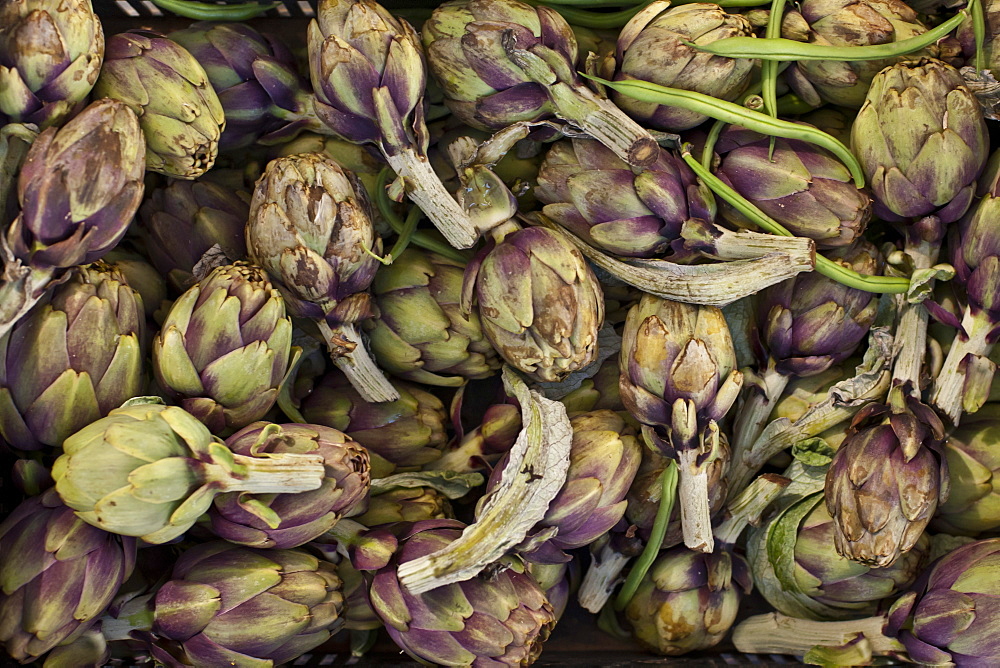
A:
(503, 61)
(50, 55)
(886, 480)
(72, 360)
(599, 391)
(369, 76)
(181, 116)
(264, 98)
(182, 220)
(57, 576)
(224, 348)
(921, 139)
(79, 188)
(539, 302)
(973, 504)
(310, 227)
(595, 195)
(231, 605)
(421, 333)
(500, 619)
(678, 378)
(798, 184)
(142, 277)
(151, 470)
(845, 23)
(405, 504)
(291, 520)
(659, 45)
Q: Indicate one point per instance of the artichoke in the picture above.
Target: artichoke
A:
(973, 504)
(142, 277)
(290, 520)
(181, 116)
(601, 390)
(540, 304)
(499, 619)
(50, 55)
(179, 222)
(421, 333)
(229, 605)
(798, 184)
(921, 140)
(660, 47)
(405, 504)
(151, 470)
(57, 576)
(224, 348)
(886, 480)
(596, 196)
(71, 360)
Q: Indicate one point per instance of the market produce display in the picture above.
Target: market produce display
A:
(424, 327)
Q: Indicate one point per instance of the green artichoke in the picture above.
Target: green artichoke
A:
(71, 360)
(151, 470)
(405, 504)
(973, 504)
(224, 348)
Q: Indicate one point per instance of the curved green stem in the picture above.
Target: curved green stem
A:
(769, 68)
(731, 112)
(979, 33)
(825, 266)
(406, 234)
(209, 11)
(782, 49)
(416, 237)
(713, 137)
(668, 492)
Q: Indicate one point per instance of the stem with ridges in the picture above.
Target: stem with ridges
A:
(748, 507)
(600, 579)
(949, 386)
(284, 473)
(775, 633)
(358, 365)
(911, 330)
(750, 423)
(696, 515)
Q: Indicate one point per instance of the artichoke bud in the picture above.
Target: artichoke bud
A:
(224, 348)
(973, 504)
(159, 490)
(406, 504)
(179, 111)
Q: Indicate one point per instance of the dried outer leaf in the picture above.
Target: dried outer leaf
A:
(711, 284)
(609, 344)
(15, 140)
(452, 484)
(922, 282)
(774, 633)
(535, 472)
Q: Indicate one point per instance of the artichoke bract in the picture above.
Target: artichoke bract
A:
(886, 480)
(181, 116)
(951, 617)
(408, 432)
(72, 360)
(182, 220)
(79, 188)
(594, 194)
(845, 23)
(230, 605)
(57, 575)
(504, 61)
(224, 348)
(151, 471)
(421, 333)
(264, 98)
(50, 55)
(290, 520)
(973, 504)
(921, 140)
(653, 47)
(369, 77)
(406, 504)
(539, 303)
(310, 227)
(798, 184)
(488, 620)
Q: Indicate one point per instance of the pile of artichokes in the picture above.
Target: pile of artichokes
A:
(425, 326)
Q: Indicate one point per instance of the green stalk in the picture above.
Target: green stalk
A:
(781, 49)
(597, 20)
(209, 11)
(769, 68)
(668, 492)
(708, 152)
(827, 267)
(406, 234)
(736, 114)
(979, 33)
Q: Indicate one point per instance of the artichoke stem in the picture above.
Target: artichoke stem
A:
(604, 574)
(775, 633)
(911, 331)
(749, 506)
(358, 365)
(424, 188)
(605, 122)
(284, 473)
(949, 393)
(20, 290)
(750, 423)
(696, 516)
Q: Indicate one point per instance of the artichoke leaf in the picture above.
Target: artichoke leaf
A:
(452, 484)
